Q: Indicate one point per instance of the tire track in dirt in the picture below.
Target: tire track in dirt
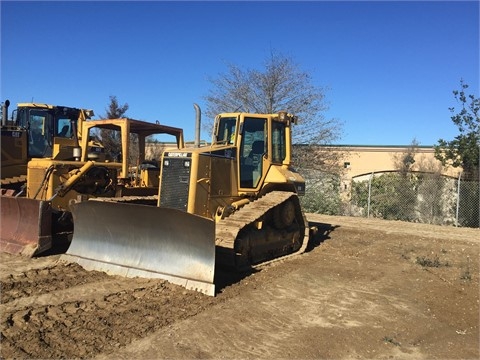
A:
(45, 281)
(59, 311)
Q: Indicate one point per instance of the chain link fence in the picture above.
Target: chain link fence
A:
(414, 196)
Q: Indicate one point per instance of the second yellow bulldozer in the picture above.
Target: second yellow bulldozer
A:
(233, 203)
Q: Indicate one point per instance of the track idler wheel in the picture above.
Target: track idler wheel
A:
(284, 214)
(242, 252)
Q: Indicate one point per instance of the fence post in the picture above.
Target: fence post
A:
(458, 198)
(369, 193)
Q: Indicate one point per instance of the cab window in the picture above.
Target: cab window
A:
(226, 130)
(64, 128)
(279, 151)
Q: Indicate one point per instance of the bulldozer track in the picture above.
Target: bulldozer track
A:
(13, 182)
(126, 199)
(227, 229)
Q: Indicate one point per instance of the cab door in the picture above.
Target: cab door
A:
(253, 152)
(40, 138)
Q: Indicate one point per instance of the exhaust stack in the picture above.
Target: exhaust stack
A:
(198, 119)
(5, 106)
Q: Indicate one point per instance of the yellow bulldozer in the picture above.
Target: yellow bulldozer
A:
(67, 170)
(233, 203)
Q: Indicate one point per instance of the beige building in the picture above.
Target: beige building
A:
(360, 161)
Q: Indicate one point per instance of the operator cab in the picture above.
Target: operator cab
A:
(45, 123)
(259, 141)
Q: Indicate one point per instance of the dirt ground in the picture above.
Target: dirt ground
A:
(365, 288)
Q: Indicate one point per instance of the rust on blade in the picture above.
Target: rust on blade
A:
(26, 226)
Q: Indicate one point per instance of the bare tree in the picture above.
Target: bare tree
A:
(279, 85)
(111, 139)
(404, 162)
(114, 110)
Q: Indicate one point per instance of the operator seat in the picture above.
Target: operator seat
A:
(64, 131)
(251, 166)
(258, 149)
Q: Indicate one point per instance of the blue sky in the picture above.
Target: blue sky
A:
(390, 67)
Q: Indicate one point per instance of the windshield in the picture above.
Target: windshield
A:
(226, 130)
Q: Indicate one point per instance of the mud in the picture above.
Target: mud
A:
(365, 288)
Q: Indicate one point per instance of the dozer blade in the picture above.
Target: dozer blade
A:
(145, 241)
(26, 226)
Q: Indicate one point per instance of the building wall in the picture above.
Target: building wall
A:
(363, 160)
(359, 162)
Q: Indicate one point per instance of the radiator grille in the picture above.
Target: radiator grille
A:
(175, 179)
